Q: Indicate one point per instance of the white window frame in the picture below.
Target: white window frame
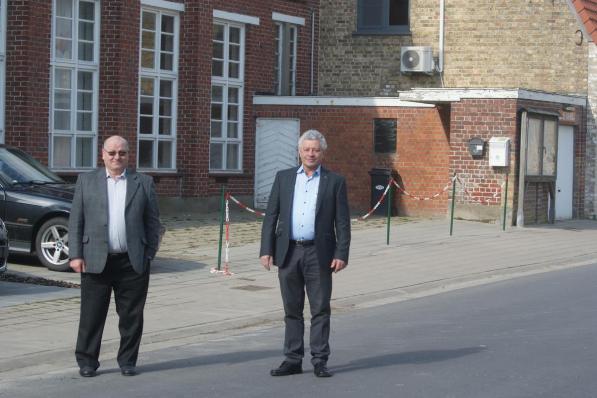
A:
(227, 82)
(74, 65)
(158, 75)
(285, 83)
(3, 21)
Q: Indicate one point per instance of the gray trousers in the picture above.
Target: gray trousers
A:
(302, 271)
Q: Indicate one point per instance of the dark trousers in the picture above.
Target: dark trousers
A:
(130, 292)
(302, 271)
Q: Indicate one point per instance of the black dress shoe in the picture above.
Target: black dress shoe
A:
(128, 371)
(287, 369)
(87, 371)
(321, 370)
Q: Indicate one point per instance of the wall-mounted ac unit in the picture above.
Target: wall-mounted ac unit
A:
(416, 59)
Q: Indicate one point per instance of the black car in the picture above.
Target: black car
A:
(3, 247)
(34, 204)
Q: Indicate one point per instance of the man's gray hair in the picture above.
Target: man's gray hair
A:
(313, 135)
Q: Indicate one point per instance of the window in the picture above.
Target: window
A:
(227, 84)
(285, 68)
(158, 77)
(383, 16)
(384, 135)
(541, 146)
(73, 112)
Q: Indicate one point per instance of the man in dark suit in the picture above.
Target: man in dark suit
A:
(114, 232)
(306, 233)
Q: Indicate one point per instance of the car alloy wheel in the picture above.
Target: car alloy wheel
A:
(51, 244)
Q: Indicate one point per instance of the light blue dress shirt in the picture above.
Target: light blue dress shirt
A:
(304, 204)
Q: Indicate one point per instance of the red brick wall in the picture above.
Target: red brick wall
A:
(421, 159)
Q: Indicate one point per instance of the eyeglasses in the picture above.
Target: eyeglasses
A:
(113, 153)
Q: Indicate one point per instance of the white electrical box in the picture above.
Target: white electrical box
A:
(499, 151)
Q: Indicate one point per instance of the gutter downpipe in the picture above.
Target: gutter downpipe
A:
(313, 48)
(441, 36)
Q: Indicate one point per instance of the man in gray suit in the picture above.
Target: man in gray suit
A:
(114, 232)
(306, 233)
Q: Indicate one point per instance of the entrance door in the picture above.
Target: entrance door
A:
(565, 169)
(276, 148)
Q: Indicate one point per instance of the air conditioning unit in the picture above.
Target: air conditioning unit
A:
(416, 59)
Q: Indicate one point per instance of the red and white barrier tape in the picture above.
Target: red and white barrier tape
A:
(245, 207)
(383, 196)
(404, 191)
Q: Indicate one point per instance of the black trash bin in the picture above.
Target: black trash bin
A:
(379, 182)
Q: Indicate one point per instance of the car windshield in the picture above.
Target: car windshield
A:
(16, 167)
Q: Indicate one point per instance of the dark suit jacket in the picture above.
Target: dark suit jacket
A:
(88, 222)
(332, 218)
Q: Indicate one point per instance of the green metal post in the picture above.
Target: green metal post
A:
(222, 210)
(505, 204)
(389, 204)
(453, 201)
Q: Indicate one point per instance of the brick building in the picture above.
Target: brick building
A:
(175, 78)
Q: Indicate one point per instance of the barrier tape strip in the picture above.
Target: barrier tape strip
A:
(404, 191)
(383, 196)
(245, 207)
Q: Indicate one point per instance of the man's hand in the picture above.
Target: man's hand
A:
(77, 265)
(337, 265)
(266, 261)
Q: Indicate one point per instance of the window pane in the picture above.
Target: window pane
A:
(86, 51)
(232, 157)
(549, 145)
(398, 12)
(165, 107)
(217, 93)
(233, 95)
(233, 70)
(216, 129)
(165, 126)
(148, 20)
(62, 120)
(147, 59)
(232, 130)
(216, 111)
(233, 112)
(166, 62)
(148, 40)
(372, 13)
(234, 35)
(84, 121)
(61, 152)
(64, 28)
(234, 52)
(63, 49)
(64, 8)
(84, 101)
(86, 31)
(218, 32)
(146, 106)
(165, 155)
(217, 68)
(533, 142)
(384, 135)
(62, 100)
(86, 10)
(215, 156)
(84, 152)
(145, 125)
(85, 81)
(218, 50)
(167, 43)
(145, 154)
(166, 88)
(62, 78)
(167, 24)
(146, 86)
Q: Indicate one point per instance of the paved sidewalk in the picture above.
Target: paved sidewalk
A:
(187, 304)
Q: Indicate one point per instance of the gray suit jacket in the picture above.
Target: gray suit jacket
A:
(88, 222)
(332, 218)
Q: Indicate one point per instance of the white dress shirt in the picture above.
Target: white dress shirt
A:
(116, 220)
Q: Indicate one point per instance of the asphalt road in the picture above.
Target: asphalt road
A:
(526, 337)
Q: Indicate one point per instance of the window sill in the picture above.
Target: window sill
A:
(381, 32)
